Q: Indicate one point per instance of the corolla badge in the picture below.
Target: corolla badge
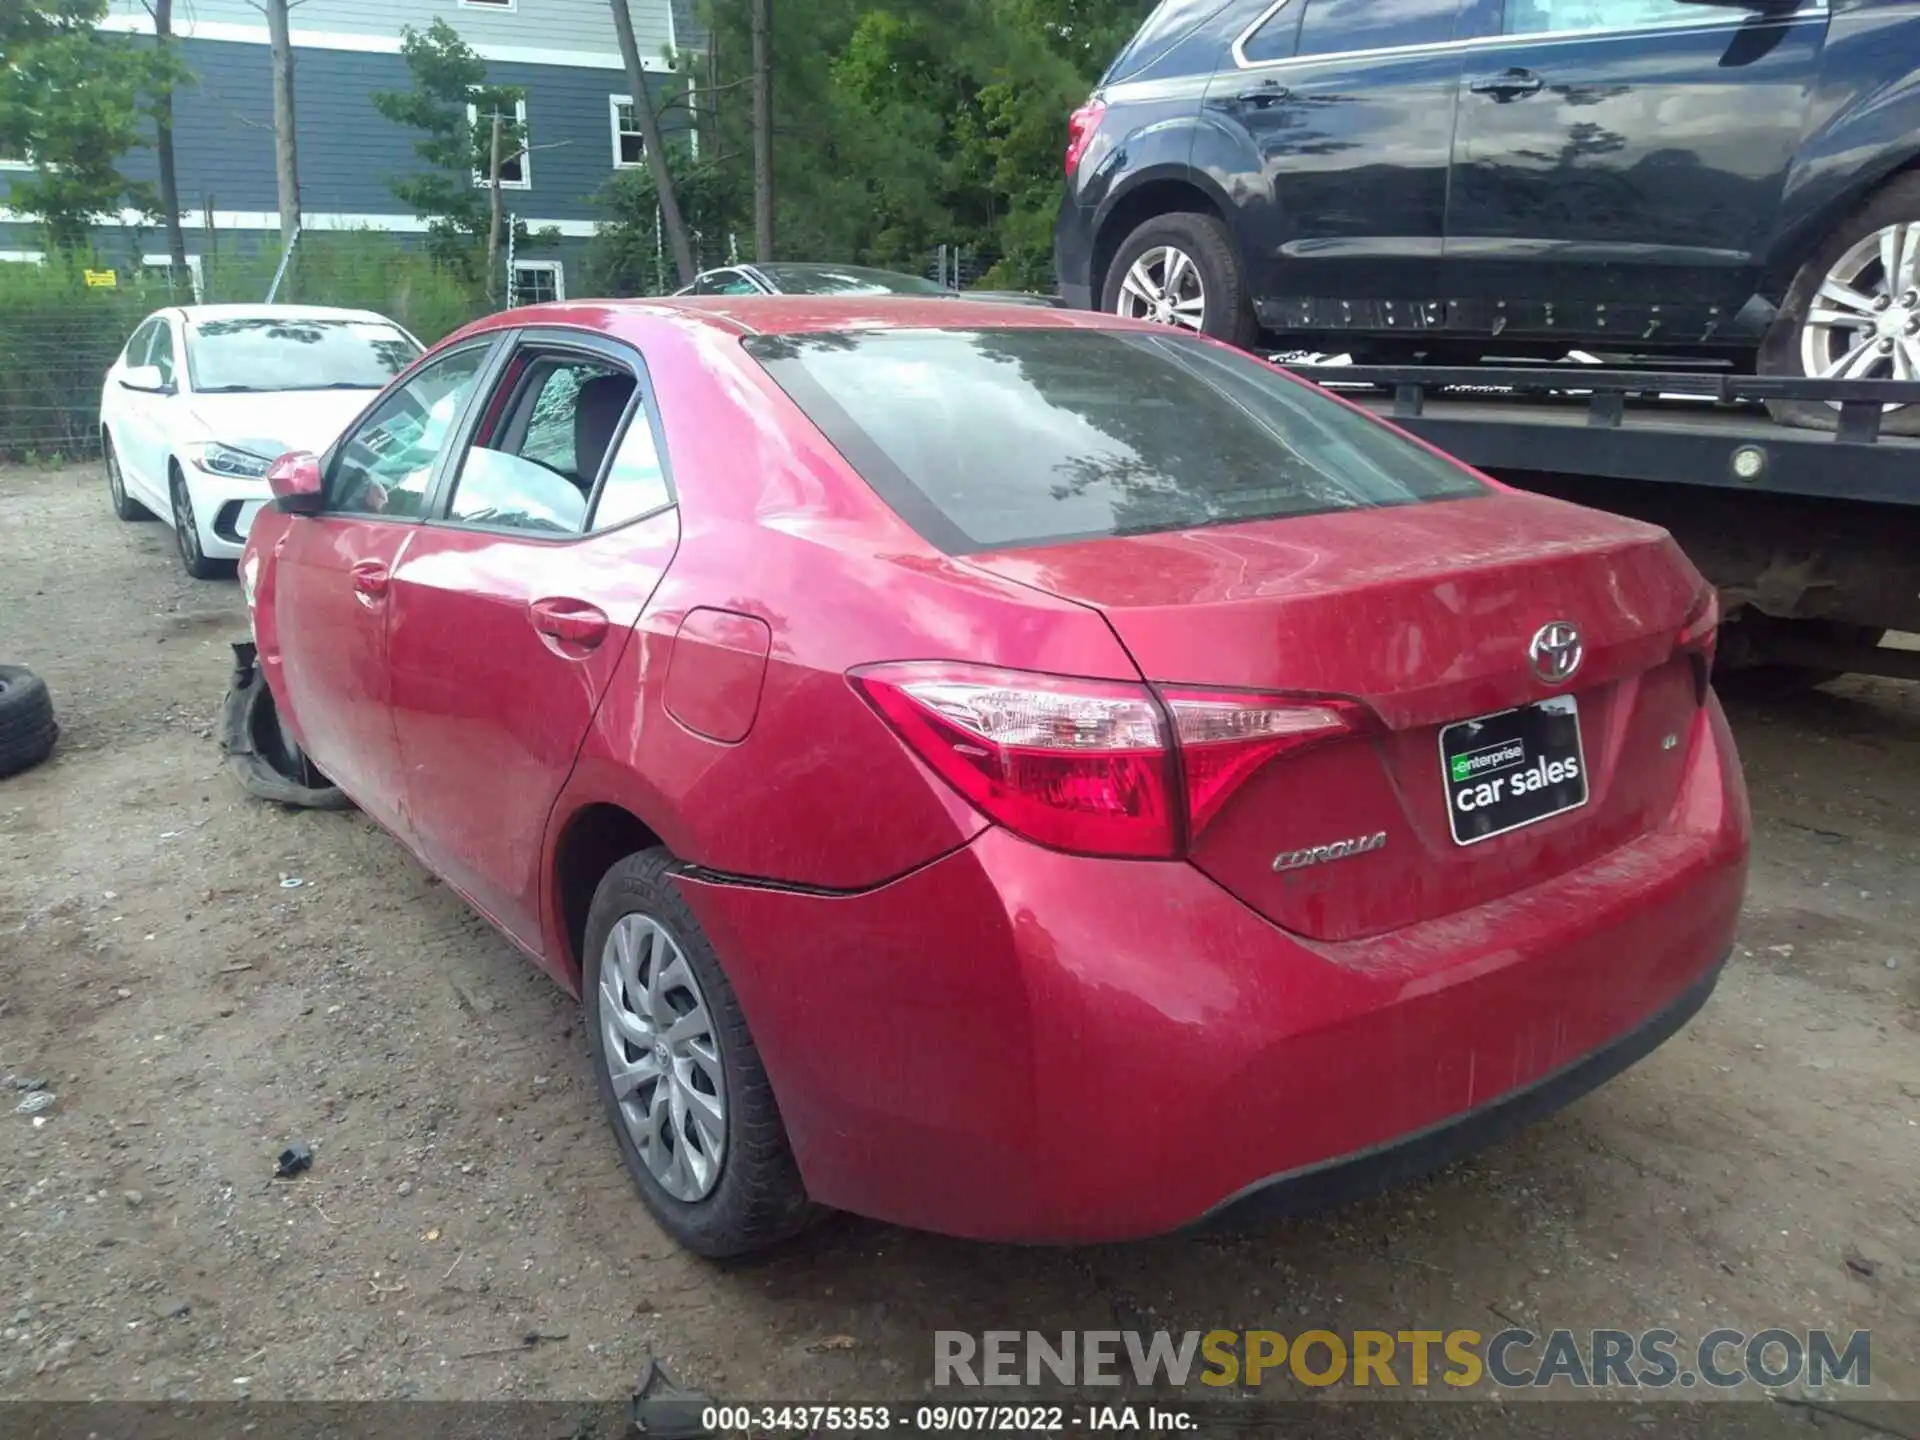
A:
(1556, 651)
(1338, 850)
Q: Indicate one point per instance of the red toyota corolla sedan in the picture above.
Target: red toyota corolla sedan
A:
(1013, 772)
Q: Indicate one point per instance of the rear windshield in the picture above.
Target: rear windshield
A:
(981, 439)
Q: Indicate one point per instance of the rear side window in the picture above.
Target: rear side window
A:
(1170, 22)
(1334, 27)
(981, 439)
(1275, 36)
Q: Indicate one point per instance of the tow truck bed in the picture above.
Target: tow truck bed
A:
(1812, 536)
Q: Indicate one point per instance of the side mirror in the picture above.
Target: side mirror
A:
(296, 482)
(145, 377)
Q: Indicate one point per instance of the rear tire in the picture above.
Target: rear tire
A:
(1785, 349)
(756, 1199)
(27, 727)
(124, 505)
(1217, 277)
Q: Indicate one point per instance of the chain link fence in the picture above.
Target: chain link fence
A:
(64, 322)
(960, 267)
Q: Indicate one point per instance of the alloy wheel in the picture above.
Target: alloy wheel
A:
(1163, 285)
(663, 1057)
(1864, 321)
(185, 531)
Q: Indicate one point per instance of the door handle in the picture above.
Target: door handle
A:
(369, 580)
(572, 623)
(1267, 92)
(1508, 84)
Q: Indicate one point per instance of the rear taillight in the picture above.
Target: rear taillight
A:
(1225, 737)
(1092, 766)
(1698, 638)
(1080, 127)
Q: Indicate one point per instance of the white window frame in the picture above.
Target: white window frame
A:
(8, 162)
(525, 182)
(509, 6)
(555, 268)
(165, 262)
(614, 102)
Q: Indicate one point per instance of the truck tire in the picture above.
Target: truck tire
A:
(1751, 677)
(1808, 340)
(27, 726)
(1197, 253)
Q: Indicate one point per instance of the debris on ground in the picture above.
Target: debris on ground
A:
(35, 1102)
(527, 1342)
(665, 1409)
(294, 1159)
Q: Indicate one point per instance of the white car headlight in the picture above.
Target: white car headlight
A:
(228, 460)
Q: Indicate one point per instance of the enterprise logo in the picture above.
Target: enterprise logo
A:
(1490, 757)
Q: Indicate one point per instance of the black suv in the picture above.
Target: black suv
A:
(1437, 179)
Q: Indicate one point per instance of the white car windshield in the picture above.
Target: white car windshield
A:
(295, 353)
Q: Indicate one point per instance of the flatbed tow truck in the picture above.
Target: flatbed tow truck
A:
(1812, 537)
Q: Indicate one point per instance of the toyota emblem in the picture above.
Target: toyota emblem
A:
(1556, 651)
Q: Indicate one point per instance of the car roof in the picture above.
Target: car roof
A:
(195, 314)
(793, 314)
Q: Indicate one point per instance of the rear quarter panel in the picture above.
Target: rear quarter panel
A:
(1863, 126)
(1153, 124)
(776, 527)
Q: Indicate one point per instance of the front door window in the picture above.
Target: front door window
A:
(386, 465)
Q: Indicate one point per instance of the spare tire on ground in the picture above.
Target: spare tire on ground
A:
(27, 727)
(261, 754)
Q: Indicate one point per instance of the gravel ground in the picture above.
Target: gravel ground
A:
(200, 979)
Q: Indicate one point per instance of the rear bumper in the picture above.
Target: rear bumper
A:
(1073, 254)
(1015, 1044)
(1408, 1158)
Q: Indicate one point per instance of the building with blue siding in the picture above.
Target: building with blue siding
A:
(563, 53)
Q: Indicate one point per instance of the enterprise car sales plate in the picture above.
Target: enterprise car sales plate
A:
(1512, 769)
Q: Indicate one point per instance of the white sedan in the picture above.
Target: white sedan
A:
(205, 398)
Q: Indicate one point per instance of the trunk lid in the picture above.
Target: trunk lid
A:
(1424, 614)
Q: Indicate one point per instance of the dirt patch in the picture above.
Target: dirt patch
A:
(200, 979)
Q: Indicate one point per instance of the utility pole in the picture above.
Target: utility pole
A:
(178, 273)
(286, 159)
(493, 209)
(762, 130)
(671, 219)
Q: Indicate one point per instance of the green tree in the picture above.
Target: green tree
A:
(460, 117)
(74, 100)
(907, 124)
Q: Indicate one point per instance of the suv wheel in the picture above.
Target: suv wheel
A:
(1182, 269)
(1853, 311)
(691, 1108)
